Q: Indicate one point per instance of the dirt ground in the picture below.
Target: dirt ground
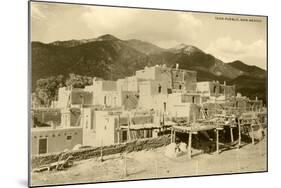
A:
(154, 164)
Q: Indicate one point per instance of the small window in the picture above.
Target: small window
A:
(169, 90)
(104, 100)
(179, 86)
(35, 136)
(68, 137)
(75, 133)
(159, 89)
(58, 134)
(54, 135)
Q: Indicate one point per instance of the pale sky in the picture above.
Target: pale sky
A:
(228, 37)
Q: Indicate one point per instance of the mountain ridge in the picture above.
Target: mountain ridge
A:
(111, 58)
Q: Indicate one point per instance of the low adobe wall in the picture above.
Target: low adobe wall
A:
(83, 154)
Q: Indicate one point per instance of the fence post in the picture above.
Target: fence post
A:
(239, 133)
(252, 131)
(231, 134)
(217, 141)
(125, 165)
(189, 145)
(101, 151)
(156, 168)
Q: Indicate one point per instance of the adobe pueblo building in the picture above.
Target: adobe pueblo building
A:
(155, 101)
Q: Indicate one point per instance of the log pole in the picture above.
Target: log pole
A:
(217, 141)
(231, 134)
(189, 145)
(101, 152)
(239, 134)
(125, 165)
(252, 131)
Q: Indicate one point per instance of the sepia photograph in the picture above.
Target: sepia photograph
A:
(126, 93)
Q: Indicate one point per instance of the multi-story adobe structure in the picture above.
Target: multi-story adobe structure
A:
(214, 88)
(55, 137)
(110, 112)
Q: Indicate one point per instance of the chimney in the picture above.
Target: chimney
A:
(224, 83)
(177, 66)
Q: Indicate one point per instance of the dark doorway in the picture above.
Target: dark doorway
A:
(124, 136)
(42, 145)
(159, 89)
(215, 88)
(104, 100)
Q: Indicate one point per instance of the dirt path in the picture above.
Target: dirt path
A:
(154, 164)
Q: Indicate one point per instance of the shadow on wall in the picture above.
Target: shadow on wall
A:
(206, 140)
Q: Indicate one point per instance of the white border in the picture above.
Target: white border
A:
(14, 92)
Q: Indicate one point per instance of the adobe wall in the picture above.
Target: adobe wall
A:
(129, 100)
(105, 128)
(56, 139)
(63, 96)
(190, 99)
(47, 116)
(82, 154)
(148, 73)
(79, 97)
